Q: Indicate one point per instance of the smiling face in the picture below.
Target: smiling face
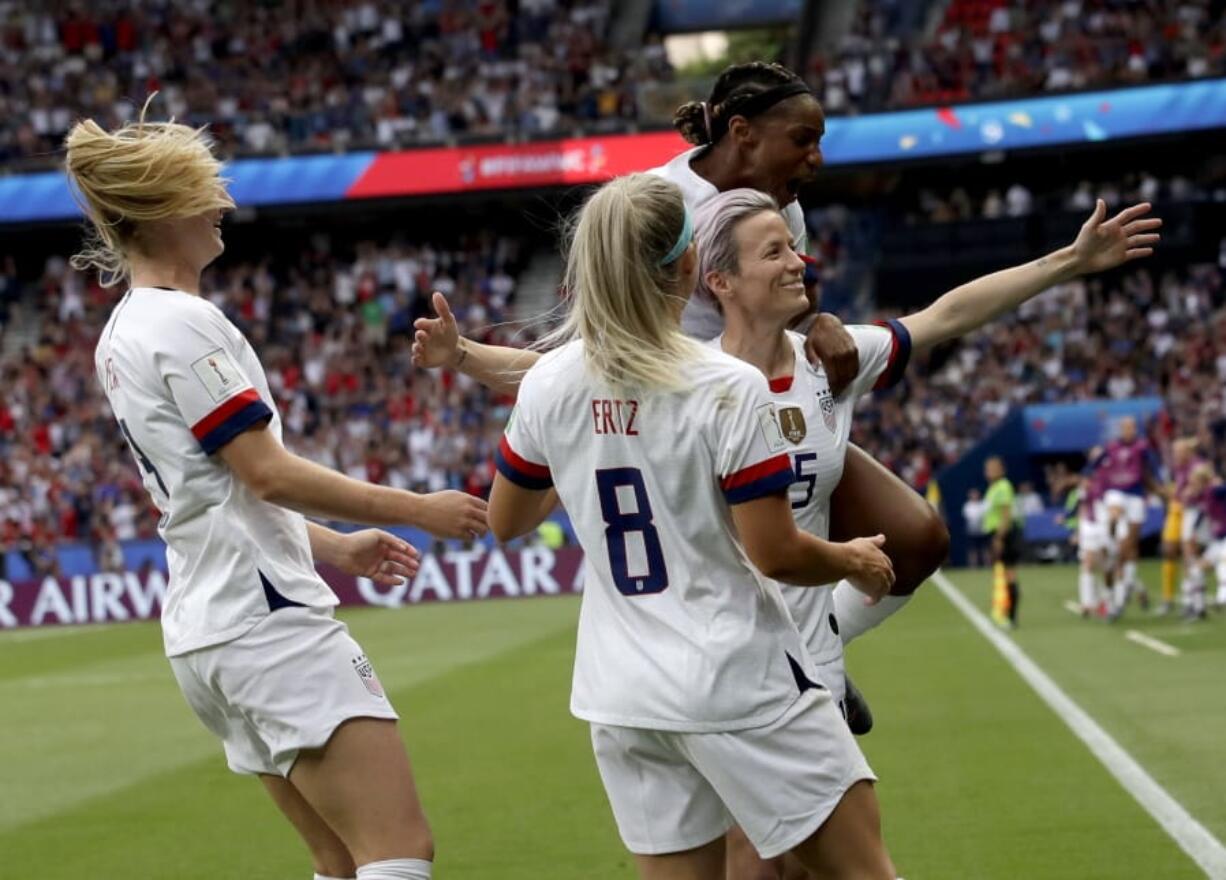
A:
(768, 282)
(782, 148)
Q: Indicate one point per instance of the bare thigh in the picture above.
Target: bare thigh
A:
(360, 783)
(704, 863)
(328, 852)
(849, 846)
(744, 863)
(870, 499)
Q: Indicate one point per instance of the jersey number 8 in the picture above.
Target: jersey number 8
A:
(619, 524)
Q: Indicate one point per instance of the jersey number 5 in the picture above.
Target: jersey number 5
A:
(619, 524)
(808, 479)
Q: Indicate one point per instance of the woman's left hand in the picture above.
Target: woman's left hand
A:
(830, 345)
(1104, 244)
(375, 554)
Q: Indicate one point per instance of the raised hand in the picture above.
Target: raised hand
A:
(375, 554)
(436, 342)
(1104, 244)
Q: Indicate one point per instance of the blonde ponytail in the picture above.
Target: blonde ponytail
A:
(624, 303)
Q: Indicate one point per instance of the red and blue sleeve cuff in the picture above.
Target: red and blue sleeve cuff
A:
(520, 471)
(230, 419)
(758, 480)
(900, 354)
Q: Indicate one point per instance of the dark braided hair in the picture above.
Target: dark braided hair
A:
(741, 90)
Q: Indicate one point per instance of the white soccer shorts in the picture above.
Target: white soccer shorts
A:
(283, 686)
(1132, 505)
(672, 792)
(1091, 536)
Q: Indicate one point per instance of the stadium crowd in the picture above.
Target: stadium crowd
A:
(334, 332)
(283, 75)
(984, 49)
(331, 75)
(1017, 200)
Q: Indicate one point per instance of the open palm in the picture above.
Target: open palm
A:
(380, 556)
(1104, 244)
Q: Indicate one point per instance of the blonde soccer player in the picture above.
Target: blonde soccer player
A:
(674, 468)
(247, 622)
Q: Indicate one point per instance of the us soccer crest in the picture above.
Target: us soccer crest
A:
(827, 404)
(792, 422)
(366, 672)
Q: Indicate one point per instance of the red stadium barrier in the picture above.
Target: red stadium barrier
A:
(455, 576)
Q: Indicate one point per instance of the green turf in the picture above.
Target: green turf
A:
(107, 774)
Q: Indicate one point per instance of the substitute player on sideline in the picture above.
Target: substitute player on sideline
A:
(670, 461)
(247, 622)
(750, 274)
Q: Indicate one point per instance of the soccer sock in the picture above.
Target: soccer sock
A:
(396, 869)
(1085, 589)
(1130, 575)
(1120, 593)
(1194, 581)
(1000, 591)
(1169, 569)
(854, 617)
(1015, 597)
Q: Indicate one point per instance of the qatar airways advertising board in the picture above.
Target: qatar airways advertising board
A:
(461, 575)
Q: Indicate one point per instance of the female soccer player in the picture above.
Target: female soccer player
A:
(749, 273)
(672, 465)
(761, 128)
(247, 622)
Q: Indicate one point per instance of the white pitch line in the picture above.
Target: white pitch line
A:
(1192, 837)
(1150, 642)
(37, 633)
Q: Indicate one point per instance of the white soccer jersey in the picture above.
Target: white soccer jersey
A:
(817, 426)
(701, 319)
(677, 630)
(182, 382)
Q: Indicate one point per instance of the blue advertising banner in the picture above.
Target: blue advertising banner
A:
(934, 132)
(1074, 427)
(712, 15)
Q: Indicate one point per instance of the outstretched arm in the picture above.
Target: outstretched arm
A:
(437, 343)
(279, 477)
(1100, 245)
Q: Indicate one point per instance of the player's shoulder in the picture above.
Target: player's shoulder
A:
(714, 373)
(553, 371)
(159, 317)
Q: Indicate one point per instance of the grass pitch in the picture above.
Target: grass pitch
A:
(106, 774)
